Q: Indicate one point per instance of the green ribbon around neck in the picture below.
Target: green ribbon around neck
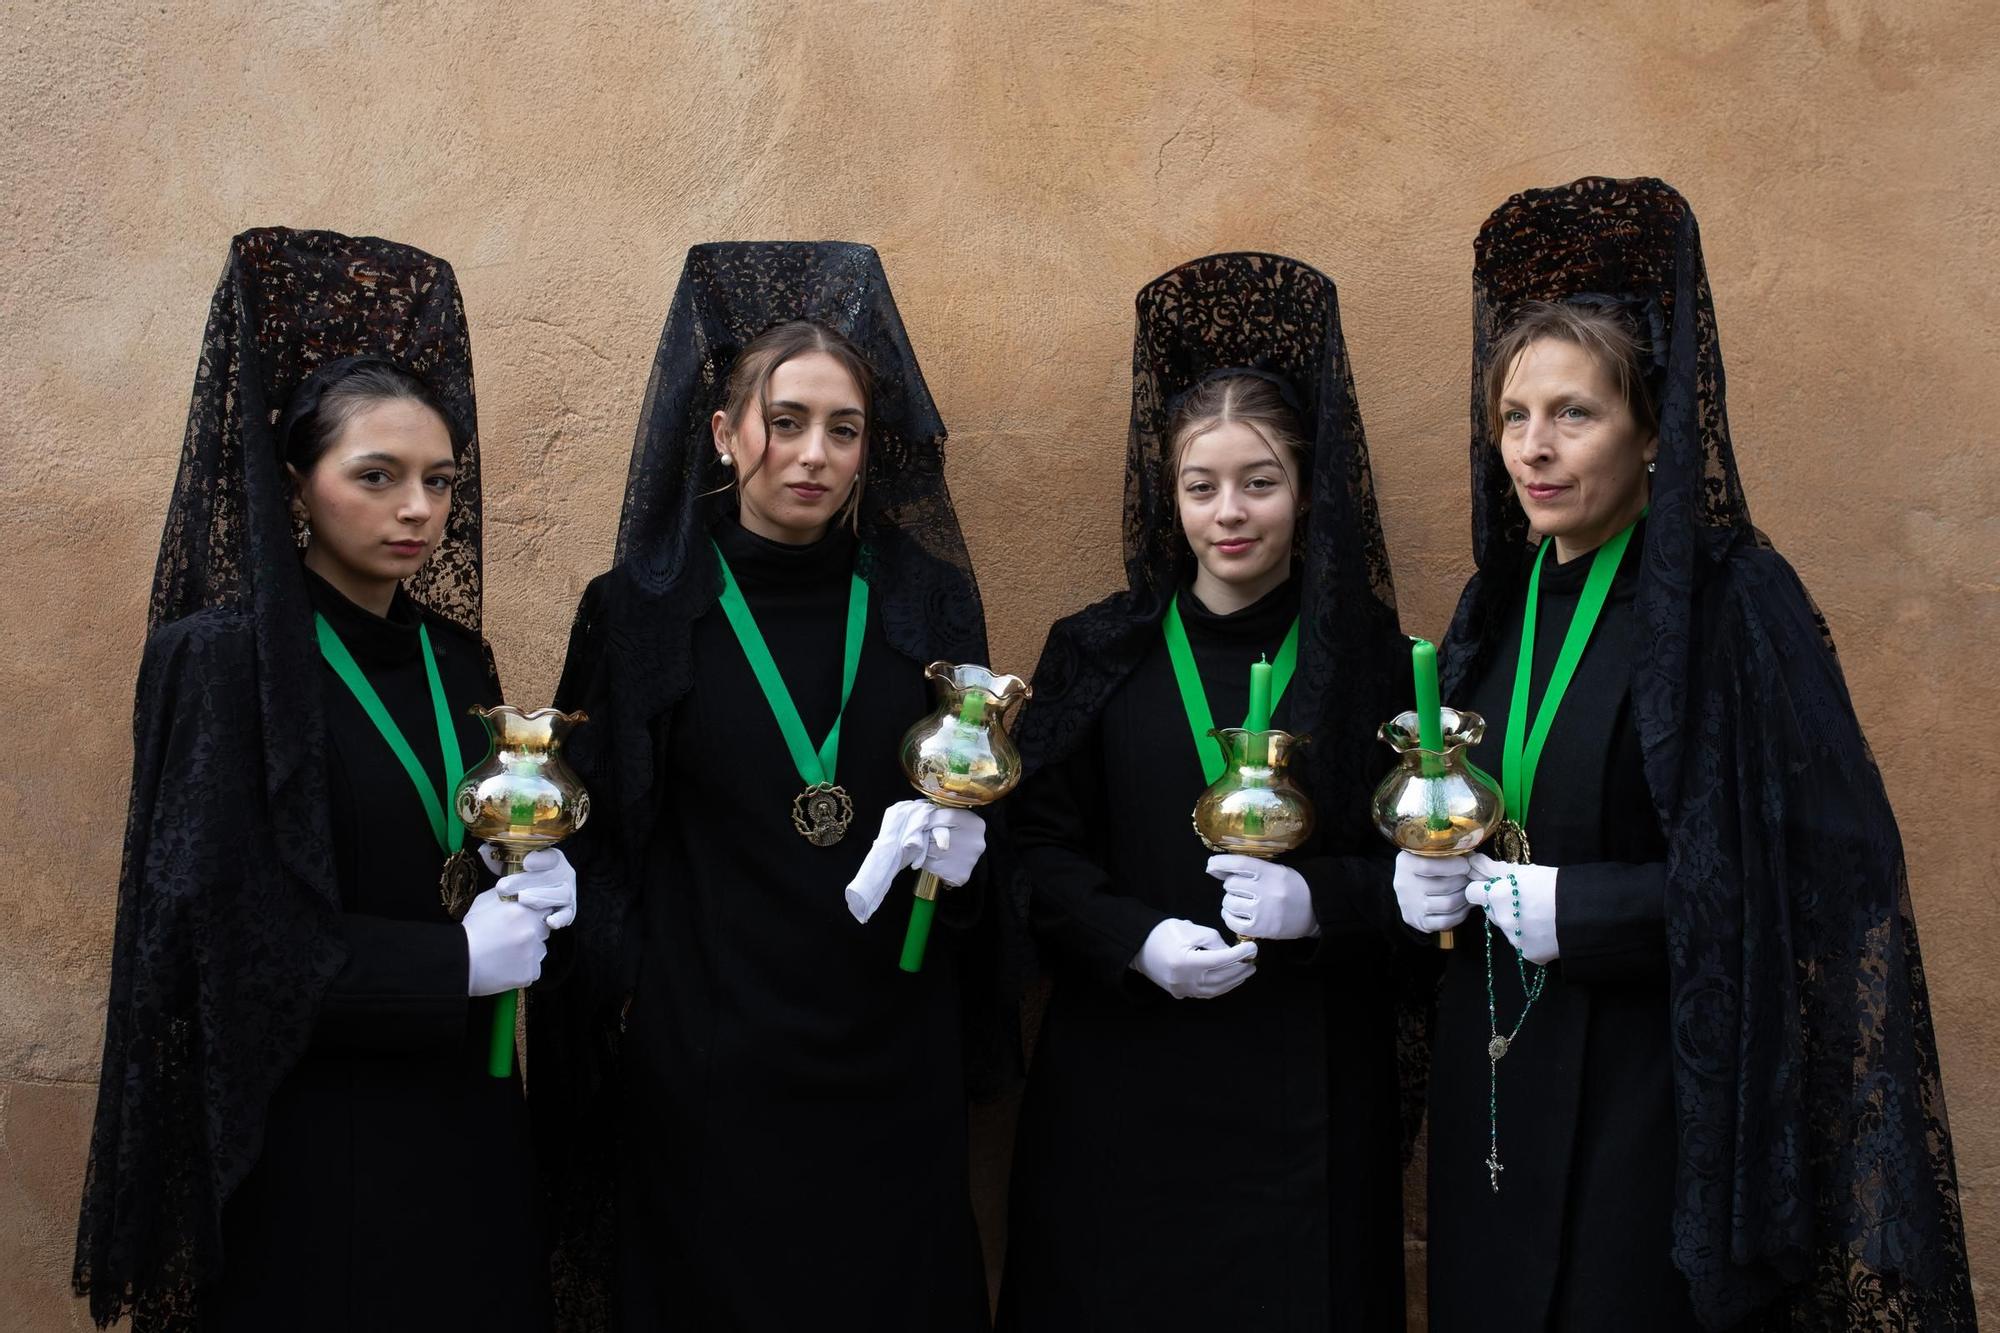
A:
(1194, 699)
(1521, 752)
(815, 766)
(437, 800)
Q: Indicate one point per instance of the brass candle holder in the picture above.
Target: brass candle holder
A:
(1254, 808)
(523, 797)
(1434, 802)
(961, 756)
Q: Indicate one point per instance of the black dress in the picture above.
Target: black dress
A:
(1172, 1167)
(1579, 1235)
(794, 1117)
(395, 1186)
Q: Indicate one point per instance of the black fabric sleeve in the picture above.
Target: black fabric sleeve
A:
(1611, 922)
(1355, 895)
(403, 987)
(1072, 904)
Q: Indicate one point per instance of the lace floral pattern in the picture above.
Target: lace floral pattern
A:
(226, 934)
(1815, 1184)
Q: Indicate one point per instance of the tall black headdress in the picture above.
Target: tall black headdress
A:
(1280, 319)
(629, 661)
(228, 930)
(1815, 1171)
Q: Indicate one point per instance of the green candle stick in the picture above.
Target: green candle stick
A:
(1430, 725)
(971, 715)
(1259, 717)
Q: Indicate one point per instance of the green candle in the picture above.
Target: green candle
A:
(1430, 718)
(1259, 718)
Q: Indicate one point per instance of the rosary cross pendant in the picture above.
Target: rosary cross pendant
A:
(1493, 1170)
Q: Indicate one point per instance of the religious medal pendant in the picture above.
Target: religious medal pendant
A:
(821, 813)
(1510, 843)
(458, 884)
(1495, 1048)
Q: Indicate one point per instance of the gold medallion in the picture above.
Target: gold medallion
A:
(1510, 843)
(821, 813)
(458, 884)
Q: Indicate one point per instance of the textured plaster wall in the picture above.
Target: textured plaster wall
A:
(1023, 168)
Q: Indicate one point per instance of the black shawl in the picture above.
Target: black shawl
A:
(228, 931)
(1815, 1178)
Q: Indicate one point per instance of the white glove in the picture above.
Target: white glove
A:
(1521, 901)
(916, 835)
(504, 944)
(1264, 900)
(1186, 960)
(546, 881)
(1430, 890)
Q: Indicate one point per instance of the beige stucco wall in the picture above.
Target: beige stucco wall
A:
(1023, 168)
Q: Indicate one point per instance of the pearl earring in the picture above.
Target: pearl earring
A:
(727, 459)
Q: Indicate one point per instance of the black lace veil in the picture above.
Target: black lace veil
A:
(1815, 1184)
(228, 933)
(1279, 317)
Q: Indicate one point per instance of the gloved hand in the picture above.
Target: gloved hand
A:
(504, 943)
(546, 881)
(1264, 900)
(1186, 960)
(1430, 891)
(916, 835)
(1521, 901)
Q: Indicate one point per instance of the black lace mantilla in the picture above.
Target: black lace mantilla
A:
(227, 932)
(1816, 1189)
(1276, 315)
(629, 664)
(1279, 317)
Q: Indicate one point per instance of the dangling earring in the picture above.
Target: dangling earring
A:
(1651, 468)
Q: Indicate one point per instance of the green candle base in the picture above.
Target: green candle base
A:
(918, 935)
(500, 1055)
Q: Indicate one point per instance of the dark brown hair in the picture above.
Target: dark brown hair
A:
(360, 388)
(1609, 338)
(750, 381)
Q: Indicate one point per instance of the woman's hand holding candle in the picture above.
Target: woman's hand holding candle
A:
(1264, 900)
(547, 881)
(916, 835)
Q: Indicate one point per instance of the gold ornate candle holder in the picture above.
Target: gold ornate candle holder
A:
(523, 797)
(1434, 802)
(1254, 808)
(960, 755)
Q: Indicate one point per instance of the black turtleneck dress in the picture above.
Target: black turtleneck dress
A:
(1578, 1236)
(1229, 1163)
(794, 1103)
(395, 1186)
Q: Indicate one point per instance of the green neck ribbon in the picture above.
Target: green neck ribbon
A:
(1194, 699)
(815, 766)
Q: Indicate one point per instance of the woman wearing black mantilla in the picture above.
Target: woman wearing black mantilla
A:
(1211, 1134)
(1684, 1073)
(765, 1121)
(295, 1126)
